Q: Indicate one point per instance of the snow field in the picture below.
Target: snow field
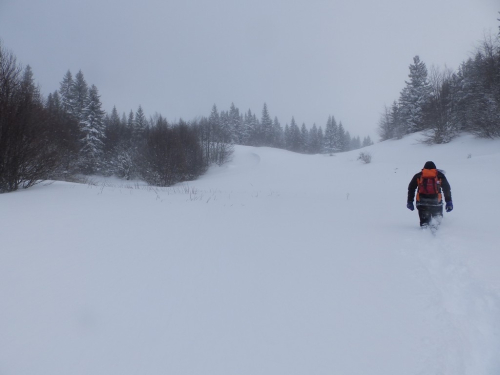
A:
(273, 263)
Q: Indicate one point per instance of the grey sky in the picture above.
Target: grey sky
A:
(306, 58)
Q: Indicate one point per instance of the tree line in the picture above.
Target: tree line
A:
(248, 129)
(443, 103)
(68, 133)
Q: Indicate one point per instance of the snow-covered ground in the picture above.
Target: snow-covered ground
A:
(276, 263)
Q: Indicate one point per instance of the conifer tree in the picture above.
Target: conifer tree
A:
(287, 138)
(93, 133)
(277, 138)
(50, 105)
(123, 120)
(139, 125)
(79, 95)
(66, 93)
(248, 130)
(252, 129)
(113, 131)
(321, 140)
(313, 146)
(414, 97)
(266, 127)
(340, 138)
(331, 135)
(355, 143)
(367, 141)
(131, 121)
(304, 138)
(295, 137)
(236, 125)
(347, 141)
(28, 85)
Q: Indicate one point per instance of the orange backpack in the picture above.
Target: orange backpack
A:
(429, 183)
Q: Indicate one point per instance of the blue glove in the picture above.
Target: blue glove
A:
(449, 206)
(411, 207)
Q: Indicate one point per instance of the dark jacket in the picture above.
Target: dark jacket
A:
(444, 187)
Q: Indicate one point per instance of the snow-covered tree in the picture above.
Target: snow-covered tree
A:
(287, 137)
(367, 141)
(330, 139)
(236, 124)
(92, 133)
(355, 143)
(340, 139)
(266, 128)
(252, 129)
(304, 138)
(414, 97)
(277, 134)
(347, 141)
(140, 125)
(295, 137)
(66, 93)
(321, 140)
(80, 96)
(313, 146)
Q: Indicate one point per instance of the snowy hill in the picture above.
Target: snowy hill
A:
(276, 263)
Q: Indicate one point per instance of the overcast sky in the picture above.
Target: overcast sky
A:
(304, 58)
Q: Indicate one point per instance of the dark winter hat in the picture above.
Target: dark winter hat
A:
(430, 165)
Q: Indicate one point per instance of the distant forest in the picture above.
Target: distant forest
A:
(444, 103)
(68, 134)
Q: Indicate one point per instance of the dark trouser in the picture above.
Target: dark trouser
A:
(426, 213)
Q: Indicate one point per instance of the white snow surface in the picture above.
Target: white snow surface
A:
(276, 263)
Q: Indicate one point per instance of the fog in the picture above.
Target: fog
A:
(304, 58)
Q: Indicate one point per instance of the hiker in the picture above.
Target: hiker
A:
(430, 184)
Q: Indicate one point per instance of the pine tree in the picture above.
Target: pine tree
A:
(314, 145)
(130, 121)
(220, 137)
(80, 96)
(66, 93)
(252, 129)
(28, 85)
(278, 136)
(295, 137)
(321, 140)
(53, 103)
(331, 138)
(247, 130)
(287, 138)
(225, 133)
(266, 126)
(367, 141)
(414, 97)
(113, 131)
(355, 143)
(236, 124)
(304, 139)
(140, 125)
(347, 141)
(93, 133)
(214, 118)
(340, 139)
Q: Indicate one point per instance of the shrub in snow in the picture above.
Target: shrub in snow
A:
(365, 157)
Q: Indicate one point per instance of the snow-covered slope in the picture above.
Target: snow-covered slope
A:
(276, 263)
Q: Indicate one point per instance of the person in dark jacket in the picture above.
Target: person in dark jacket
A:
(430, 184)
